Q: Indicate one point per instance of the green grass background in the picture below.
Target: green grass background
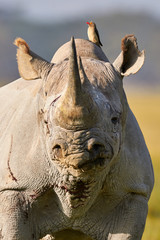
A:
(146, 107)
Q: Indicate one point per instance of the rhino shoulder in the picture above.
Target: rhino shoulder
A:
(16, 97)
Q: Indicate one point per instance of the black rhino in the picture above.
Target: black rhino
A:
(74, 163)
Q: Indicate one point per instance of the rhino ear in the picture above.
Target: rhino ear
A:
(30, 65)
(130, 59)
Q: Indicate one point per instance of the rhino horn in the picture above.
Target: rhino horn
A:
(30, 65)
(74, 88)
(76, 107)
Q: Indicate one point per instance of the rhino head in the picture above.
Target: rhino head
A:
(84, 111)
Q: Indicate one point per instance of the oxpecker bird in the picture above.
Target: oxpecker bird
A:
(93, 34)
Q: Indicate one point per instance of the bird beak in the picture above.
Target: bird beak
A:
(88, 23)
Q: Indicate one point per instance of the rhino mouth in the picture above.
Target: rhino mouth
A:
(80, 191)
(80, 169)
(99, 162)
(75, 193)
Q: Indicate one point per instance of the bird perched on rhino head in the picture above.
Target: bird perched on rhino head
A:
(93, 34)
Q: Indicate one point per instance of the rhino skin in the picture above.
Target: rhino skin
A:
(74, 163)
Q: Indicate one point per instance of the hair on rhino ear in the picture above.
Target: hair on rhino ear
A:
(130, 59)
(21, 43)
(30, 65)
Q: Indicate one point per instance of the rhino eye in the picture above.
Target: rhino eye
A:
(115, 120)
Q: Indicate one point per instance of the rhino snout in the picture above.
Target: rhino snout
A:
(96, 154)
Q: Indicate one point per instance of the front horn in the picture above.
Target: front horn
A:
(76, 107)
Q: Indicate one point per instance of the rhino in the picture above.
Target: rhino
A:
(73, 160)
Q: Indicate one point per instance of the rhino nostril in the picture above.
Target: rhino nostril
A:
(57, 146)
(97, 147)
(57, 151)
(96, 150)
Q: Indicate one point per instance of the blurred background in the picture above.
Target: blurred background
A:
(46, 25)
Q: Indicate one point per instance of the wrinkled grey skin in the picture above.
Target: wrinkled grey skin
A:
(74, 164)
